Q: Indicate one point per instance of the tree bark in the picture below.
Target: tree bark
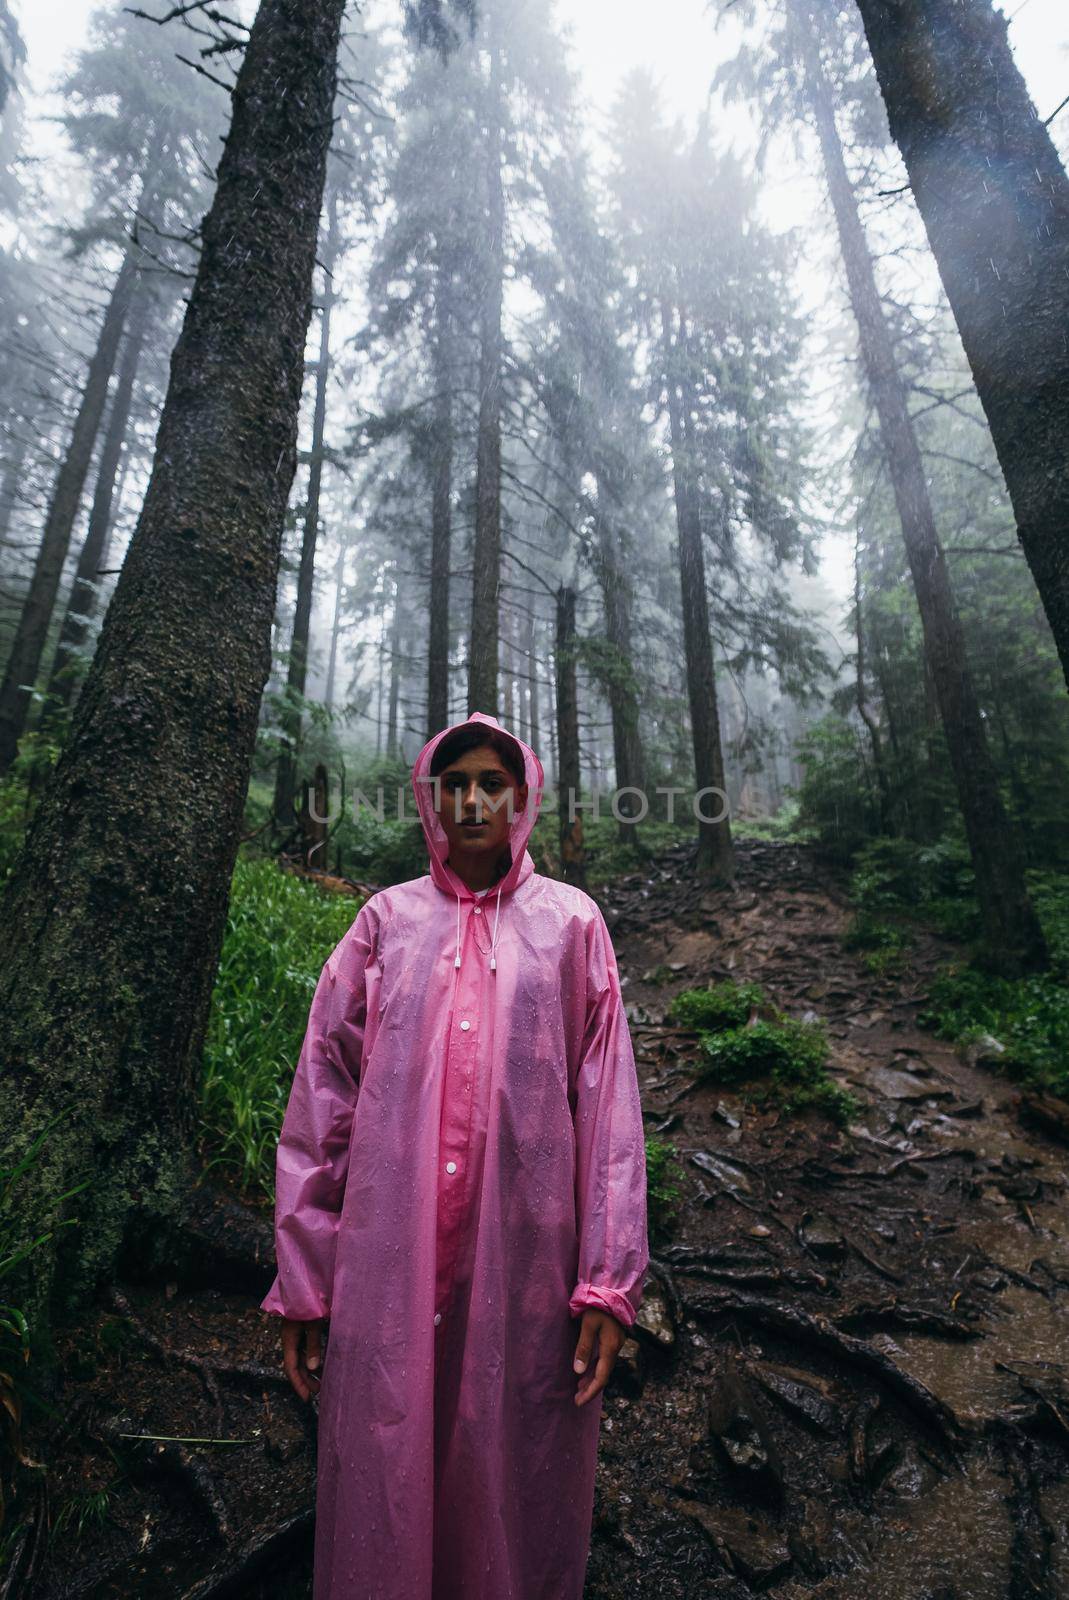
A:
(297, 670)
(620, 687)
(1012, 935)
(441, 522)
(396, 656)
(31, 633)
(716, 857)
(486, 577)
(572, 854)
(535, 684)
(335, 629)
(82, 600)
(14, 461)
(116, 908)
(994, 197)
(883, 796)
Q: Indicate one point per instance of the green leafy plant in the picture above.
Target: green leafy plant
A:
(663, 1193)
(721, 1005)
(791, 1055)
(744, 1039)
(883, 945)
(1029, 1017)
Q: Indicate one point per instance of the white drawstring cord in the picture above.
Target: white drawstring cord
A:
(493, 941)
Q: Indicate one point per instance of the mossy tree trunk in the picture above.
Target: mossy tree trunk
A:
(994, 197)
(114, 916)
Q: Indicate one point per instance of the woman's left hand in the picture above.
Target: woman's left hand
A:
(602, 1329)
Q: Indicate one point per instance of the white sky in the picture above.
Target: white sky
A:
(674, 37)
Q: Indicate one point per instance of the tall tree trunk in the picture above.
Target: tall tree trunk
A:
(14, 460)
(335, 629)
(716, 857)
(621, 689)
(864, 710)
(569, 787)
(130, 853)
(525, 655)
(380, 686)
(509, 685)
(297, 670)
(32, 632)
(486, 578)
(994, 197)
(82, 600)
(1012, 935)
(441, 521)
(396, 655)
(536, 688)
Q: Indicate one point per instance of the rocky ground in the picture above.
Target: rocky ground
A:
(850, 1378)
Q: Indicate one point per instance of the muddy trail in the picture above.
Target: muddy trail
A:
(850, 1376)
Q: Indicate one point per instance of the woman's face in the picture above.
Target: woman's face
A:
(477, 800)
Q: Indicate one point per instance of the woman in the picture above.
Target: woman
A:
(461, 1190)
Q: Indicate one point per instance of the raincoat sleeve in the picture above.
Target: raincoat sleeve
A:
(312, 1160)
(610, 1146)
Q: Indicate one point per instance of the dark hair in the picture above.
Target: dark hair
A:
(470, 737)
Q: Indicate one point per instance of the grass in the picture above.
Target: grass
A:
(739, 1046)
(279, 933)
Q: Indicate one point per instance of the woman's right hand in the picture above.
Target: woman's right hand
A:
(302, 1355)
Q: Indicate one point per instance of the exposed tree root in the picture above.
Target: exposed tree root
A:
(208, 1369)
(225, 1243)
(818, 1331)
(174, 1457)
(253, 1562)
(917, 1319)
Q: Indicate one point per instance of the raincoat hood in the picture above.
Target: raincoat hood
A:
(524, 818)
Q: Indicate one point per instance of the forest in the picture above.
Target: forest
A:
(367, 366)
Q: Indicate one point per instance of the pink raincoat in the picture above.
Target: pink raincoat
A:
(461, 1170)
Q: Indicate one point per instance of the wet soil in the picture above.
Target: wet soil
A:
(850, 1377)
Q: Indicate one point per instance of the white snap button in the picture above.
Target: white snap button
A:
(437, 1318)
(450, 1166)
(465, 1024)
(478, 909)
